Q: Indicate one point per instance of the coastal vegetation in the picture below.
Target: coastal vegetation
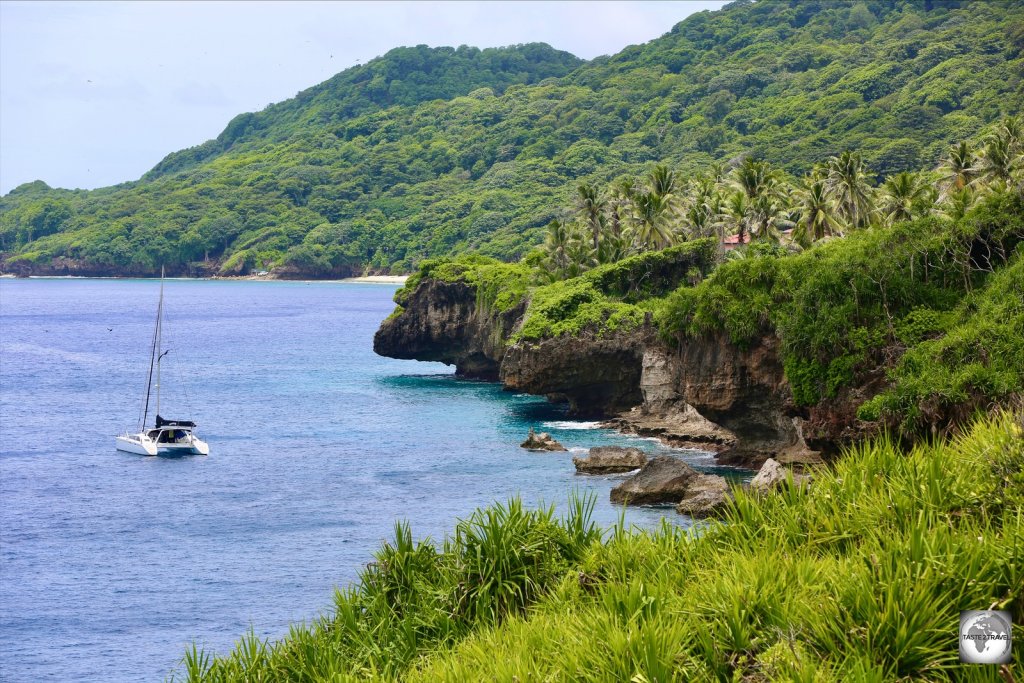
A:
(908, 299)
(424, 153)
(936, 290)
(913, 289)
(859, 577)
(754, 201)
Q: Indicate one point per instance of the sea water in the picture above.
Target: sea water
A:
(112, 564)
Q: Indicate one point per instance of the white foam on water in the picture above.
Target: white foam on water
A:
(693, 454)
(619, 476)
(571, 424)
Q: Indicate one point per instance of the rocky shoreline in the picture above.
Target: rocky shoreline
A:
(665, 480)
(702, 393)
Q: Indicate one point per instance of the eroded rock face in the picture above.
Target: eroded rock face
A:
(597, 375)
(743, 390)
(772, 475)
(709, 394)
(662, 480)
(610, 460)
(707, 496)
(664, 413)
(441, 322)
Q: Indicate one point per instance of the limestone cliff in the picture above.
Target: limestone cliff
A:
(705, 392)
(442, 321)
(709, 393)
(597, 374)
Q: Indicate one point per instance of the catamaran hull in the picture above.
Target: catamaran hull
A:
(130, 444)
(197, 447)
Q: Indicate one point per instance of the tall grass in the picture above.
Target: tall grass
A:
(860, 577)
(416, 598)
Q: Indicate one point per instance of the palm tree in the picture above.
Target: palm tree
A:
(557, 242)
(754, 178)
(581, 256)
(651, 221)
(956, 204)
(662, 181)
(619, 204)
(701, 211)
(735, 215)
(613, 248)
(1012, 127)
(817, 214)
(762, 186)
(1000, 159)
(591, 205)
(906, 196)
(847, 184)
(718, 171)
(958, 168)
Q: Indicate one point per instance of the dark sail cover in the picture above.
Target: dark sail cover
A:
(160, 422)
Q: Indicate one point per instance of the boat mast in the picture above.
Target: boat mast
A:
(153, 358)
(159, 334)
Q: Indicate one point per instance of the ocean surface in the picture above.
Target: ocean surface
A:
(112, 564)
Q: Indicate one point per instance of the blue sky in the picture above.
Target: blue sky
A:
(96, 93)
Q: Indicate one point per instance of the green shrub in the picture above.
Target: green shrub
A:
(572, 306)
(737, 299)
(499, 286)
(979, 360)
(655, 273)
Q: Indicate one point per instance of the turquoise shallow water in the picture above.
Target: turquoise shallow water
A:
(111, 564)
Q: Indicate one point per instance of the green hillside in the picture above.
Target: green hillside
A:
(426, 152)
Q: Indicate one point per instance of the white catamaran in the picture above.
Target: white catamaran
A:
(166, 437)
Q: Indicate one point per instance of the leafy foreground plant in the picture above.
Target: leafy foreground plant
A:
(860, 577)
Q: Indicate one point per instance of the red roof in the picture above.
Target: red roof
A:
(733, 241)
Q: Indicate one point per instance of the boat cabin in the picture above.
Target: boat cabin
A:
(171, 431)
(169, 435)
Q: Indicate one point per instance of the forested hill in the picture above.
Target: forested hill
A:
(405, 76)
(425, 152)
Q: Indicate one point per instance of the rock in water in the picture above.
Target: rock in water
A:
(662, 480)
(773, 475)
(708, 496)
(610, 459)
(541, 442)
